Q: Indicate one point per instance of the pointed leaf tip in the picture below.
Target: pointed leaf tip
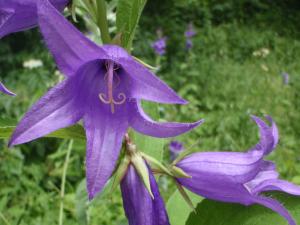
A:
(142, 169)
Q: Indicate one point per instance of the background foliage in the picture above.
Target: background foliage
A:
(222, 79)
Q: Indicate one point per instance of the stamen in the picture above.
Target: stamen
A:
(109, 77)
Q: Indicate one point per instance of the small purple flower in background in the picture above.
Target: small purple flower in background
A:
(239, 177)
(104, 86)
(285, 77)
(175, 148)
(189, 34)
(160, 44)
(19, 15)
(4, 90)
(139, 206)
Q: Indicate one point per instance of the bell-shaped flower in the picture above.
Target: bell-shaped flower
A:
(159, 46)
(4, 90)
(239, 177)
(140, 207)
(104, 86)
(19, 15)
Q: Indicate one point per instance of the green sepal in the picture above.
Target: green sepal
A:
(120, 173)
(185, 196)
(145, 64)
(182, 155)
(142, 169)
(155, 163)
(117, 40)
(179, 173)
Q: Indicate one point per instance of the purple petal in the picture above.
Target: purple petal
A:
(267, 172)
(6, 25)
(57, 109)
(277, 185)
(69, 46)
(274, 131)
(17, 15)
(4, 90)
(104, 132)
(139, 207)
(141, 122)
(276, 207)
(268, 136)
(145, 85)
(213, 171)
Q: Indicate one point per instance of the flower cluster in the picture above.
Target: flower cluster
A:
(103, 87)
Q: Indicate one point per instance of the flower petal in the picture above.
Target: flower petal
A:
(6, 25)
(69, 46)
(267, 172)
(16, 15)
(215, 170)
(277, 185)
(57, 109)
(274, 131)
(268, 135)
(145, 85)
(275, 206)
(139, 207)
(104, 132)
(4, 90)
(142, 123)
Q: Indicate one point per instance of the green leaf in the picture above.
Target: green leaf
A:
(149, 145)
(81, 205)
(128, 15)
(210, 212)
(178, 209)
(73, 132)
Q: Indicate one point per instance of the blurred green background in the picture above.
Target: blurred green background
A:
(226, 77)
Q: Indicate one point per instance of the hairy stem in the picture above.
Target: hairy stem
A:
(63, 183)
(102, 21)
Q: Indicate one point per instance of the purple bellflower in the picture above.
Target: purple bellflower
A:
(140, 207)
(104, 86)
(175, 148)
(4, 90)
(19, 15)
(239, 177)
(159, 46)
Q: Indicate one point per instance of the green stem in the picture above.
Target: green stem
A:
(63, 183)
(102, 21)
(4, 219)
